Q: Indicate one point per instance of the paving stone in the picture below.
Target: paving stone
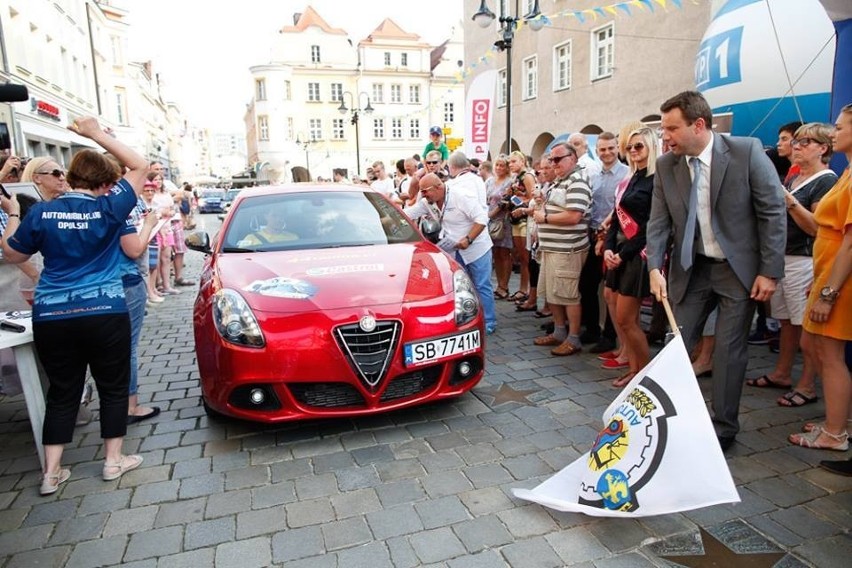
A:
(399, 492)
(51, 512)
(372, 455)
(401, 553)
(804, 522)
(577, 544)
(629, 560)
(297, 543)
(532, 553)
(191, 559)
(443, 483)
(485, 501)
(76, 529)
(346, 533)
(357, 478)
(333, 462)
(129, 521)
(482, 532)
(252, 476)
(436, 545)
(526, 467)
(100, 552)
(312, 512)
(11, 519)
(354, 503)
(832, 552)
(230, 503)
(373, 555)
(484, 559)
(272, 495)
(527, 521)
(260, 522)
(785, 491)
(201, 485)
(620, 535)
(180, 513)
(486, 475)
(55, 556)
(396, 521)
(184, 453)
(322, 485)
(154, 493)
(154, 543)
(441, 461)
(255, 552)
(399, 469)
(162, 442)
(206, 533)
(290, 470)
(105, 503)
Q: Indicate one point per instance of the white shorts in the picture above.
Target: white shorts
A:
(791, 294)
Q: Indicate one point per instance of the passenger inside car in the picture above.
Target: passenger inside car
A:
(274, 230)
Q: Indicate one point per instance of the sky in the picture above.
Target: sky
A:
(202, 49)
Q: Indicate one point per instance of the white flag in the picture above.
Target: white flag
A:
(657, 452)
(479, 109)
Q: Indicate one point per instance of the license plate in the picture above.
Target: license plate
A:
(437, 349)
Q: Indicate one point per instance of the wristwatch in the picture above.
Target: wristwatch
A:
(828, 294)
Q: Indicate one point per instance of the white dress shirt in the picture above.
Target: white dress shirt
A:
(708, 238)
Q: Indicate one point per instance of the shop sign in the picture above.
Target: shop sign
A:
(45, 109)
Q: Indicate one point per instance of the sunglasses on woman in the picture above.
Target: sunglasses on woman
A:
(638, 146)
(54, 173)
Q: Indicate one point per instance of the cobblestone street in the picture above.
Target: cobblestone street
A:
(423, 487)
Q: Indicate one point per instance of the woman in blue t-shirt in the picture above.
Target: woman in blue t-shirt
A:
(79, 313)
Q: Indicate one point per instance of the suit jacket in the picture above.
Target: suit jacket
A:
(747, 212)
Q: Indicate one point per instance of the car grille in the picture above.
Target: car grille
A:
(326, 395)
(369, 352)
(412, 383)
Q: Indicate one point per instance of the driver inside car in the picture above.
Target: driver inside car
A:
(275, 230)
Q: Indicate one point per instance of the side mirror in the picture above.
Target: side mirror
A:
(431, 229)
(199, 241)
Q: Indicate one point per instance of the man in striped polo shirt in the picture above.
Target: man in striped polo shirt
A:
(564, 245)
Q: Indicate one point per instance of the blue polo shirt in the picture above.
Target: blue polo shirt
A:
(78, 235)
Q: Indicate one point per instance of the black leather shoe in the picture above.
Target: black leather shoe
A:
(842, 467)
(605, 344)
(725, 442)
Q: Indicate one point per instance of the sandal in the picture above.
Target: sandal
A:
(810, 440)
(623, 380)
(794, 399)
(518, 297)
(115, 470)
(764, 382)
(50, 482)
(540, 314)
(501, 294)
(565, 349)
(526, 308)
(809, 426)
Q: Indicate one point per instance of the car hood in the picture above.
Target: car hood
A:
(328, 279)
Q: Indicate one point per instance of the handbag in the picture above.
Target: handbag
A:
(496, 228)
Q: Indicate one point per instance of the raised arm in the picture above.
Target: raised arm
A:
(137, 165)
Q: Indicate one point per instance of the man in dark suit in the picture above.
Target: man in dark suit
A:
(720, 198)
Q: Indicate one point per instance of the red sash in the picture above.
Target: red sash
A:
(629, 226)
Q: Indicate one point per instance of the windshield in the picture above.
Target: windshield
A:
(213, 194)
(229, 196)
(327, 219)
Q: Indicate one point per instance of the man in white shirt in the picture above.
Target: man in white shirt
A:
(584, 160)
(410, 167)
(463, 220)
(383, 182)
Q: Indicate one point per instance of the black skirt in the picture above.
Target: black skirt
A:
(630, 278)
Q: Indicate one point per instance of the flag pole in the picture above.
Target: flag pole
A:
(670, 315)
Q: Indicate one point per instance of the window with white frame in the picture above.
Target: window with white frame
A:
(290, 128)
(501, 88)
(313, 92)
(337, 129)
(336, 92)
(530, 66)
(387, 59)
(396, 128)
(288, 91)
(414, 94)
(120, 107)
(378, 128)
(378, 93)
(414, 128)
(315, 54)
(263, 127)
(449, 113)
(396, 93)
(315, 129)
(562, 66)
(603, 51)
(117, 51)
(403, 59)
(260, 89)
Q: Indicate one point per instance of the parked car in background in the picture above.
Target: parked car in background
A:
(229, 197)
(327, 301)
(210, 201)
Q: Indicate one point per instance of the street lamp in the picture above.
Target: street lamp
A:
(355, 114)
(305, 142)
(508, 23)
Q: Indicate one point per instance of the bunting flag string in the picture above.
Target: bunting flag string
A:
(590, 14)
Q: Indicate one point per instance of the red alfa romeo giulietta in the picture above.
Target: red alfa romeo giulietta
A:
(326, 300)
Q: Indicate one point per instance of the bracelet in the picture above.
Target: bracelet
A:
(13, 215)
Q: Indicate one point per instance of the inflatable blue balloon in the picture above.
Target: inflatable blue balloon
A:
(768, 62)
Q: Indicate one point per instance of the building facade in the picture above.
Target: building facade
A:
(586, 74)
(397, 85)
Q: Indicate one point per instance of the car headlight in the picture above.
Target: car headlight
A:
(467, 302)
(234, 320)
